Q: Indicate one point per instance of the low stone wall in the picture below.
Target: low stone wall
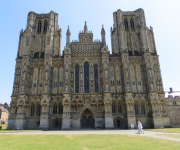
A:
(174, 115)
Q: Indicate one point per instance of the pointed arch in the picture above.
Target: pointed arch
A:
(45, 25)
(132, 23)
(39, 26)
(126, 24)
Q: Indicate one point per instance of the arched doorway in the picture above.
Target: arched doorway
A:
(118, 123)
(87, 120)
(56, 124)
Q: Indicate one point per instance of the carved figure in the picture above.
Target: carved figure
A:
(106, 73)
(66, 75)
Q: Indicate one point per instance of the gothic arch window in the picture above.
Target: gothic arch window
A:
(126, 24)
(143, 109)
(119, 108)
(113, 108)
(136, 109)
(32, 110)
(96, 78)
(39, 26)
(60, 109)
(76, 79)
(132, 23)
(45, 25)
(86, 77)
(39, 110)
(55, 109)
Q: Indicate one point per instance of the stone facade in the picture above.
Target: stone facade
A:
(4, 113)
(87, 87)
(173, 108)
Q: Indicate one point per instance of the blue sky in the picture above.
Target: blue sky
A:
(162, 15)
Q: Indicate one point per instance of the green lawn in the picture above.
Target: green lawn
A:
(171, 130)
(169, 135)
(4, 130)
(84, 142)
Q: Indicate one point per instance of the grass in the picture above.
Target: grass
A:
(169, 135)
(84, 142)
(6, 131)
(170, 130)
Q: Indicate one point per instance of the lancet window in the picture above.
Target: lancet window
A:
(113, 108)
(39, 26)
(76, 79)
(96, 78)
(126, 24)
(39, 110)
(32, 110)
(45, 25)
(86, 77)
(119, 108)
(55, 109)
(60, 109)
(136, 109)
(132, 24)
(143, 109)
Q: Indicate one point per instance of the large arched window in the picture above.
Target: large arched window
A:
(39, 26)
(39, 110)
(45, 25)
(76, 79)
(132, 24)
(119, 108)
(86, 77)
(136, 109)
(126, 24)
(32, 110)
(60, 109)
(143, 109)
(55, 109)
(96, 78)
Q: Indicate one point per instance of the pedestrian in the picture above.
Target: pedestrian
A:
(141, 131)
(139, 127)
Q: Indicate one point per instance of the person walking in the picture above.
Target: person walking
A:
(141, 129)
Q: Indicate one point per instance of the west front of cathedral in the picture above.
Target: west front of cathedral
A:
(86, 86)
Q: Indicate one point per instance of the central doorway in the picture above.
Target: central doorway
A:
(87, 121)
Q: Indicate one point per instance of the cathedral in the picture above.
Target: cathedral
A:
(87, 87)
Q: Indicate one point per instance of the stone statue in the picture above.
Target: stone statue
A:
(128, 86)
(66, 87)
(81, 75)
(126, 72)
(66, 75)
(46, 75)
(151, 85)
(106, 73)
(106, 86)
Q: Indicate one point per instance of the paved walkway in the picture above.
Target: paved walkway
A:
(151, 134)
